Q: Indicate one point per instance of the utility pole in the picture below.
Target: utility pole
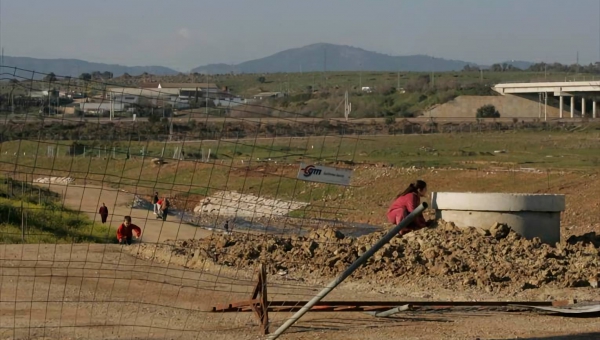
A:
(398, 85)
(432, 74)
(347, 106)
(325, 65)
(360, 79)
(171, 128)
(206, 97)
(111, 110)
(540, 105)
(545, 106)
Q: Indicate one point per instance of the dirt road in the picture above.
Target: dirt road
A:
(103, 292)
(89, 198)
(96, 291)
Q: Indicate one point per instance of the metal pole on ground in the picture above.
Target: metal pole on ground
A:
(385, 239)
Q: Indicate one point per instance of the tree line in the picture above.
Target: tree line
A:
(538, 67)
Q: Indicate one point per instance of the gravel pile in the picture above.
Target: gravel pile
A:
(496, 259)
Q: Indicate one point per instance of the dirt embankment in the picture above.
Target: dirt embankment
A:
(496, 260)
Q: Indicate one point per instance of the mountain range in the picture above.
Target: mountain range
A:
(312, 58)
(329, 57)
(75, 67)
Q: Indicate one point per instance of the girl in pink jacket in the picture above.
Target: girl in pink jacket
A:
(407, 201)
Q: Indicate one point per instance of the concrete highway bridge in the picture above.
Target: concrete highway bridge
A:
(582, 95)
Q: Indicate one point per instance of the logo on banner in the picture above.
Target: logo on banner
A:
(310, 170)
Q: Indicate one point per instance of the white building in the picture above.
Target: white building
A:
(265, 95)
(230, 102)
(101, 107)
(43, 94)
(132, 97)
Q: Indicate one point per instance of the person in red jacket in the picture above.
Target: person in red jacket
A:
(126, 230)
(103, 213)
(407, 201)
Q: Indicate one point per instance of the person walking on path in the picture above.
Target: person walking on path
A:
(155, 204)
(226, 226)
(103, 213)
(126, 230)
(164, 208)
(407, 201)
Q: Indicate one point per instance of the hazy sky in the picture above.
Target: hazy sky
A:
(187, 33)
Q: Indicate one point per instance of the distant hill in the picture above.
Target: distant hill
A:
(318, 57)
(75, 67)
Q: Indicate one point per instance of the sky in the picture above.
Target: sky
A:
(183, 34)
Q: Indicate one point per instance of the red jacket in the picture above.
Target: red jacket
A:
(403, 206)
(103, 211)
(123, 231)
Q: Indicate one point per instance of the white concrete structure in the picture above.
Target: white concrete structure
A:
(265, 95)
(146, 97)
(229, 102)
(581, 89)
(101, 107)
(528, 214)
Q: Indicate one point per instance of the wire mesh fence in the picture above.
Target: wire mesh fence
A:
(78, 157)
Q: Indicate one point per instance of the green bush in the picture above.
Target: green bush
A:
(487, 111)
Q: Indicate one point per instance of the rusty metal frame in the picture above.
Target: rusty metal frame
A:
(362, 306)
(257, 304)
(261, 306)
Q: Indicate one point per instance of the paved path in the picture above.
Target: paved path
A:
(89, 198)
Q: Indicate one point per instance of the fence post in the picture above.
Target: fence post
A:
(22, 222)
(385, 239)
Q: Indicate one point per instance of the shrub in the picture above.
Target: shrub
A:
(487, 111)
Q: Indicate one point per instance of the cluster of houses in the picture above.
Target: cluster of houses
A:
(177, 96)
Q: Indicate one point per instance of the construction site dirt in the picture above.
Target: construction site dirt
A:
(162, 288)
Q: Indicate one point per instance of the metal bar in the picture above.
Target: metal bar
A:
(235, 305)
(418, 303)
(392, 311)
(264, 303)
(391, 234)
(287, 306)
(221, 307)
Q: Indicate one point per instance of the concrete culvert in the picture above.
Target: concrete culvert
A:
(530, 215)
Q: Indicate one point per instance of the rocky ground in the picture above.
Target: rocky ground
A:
(498, 260)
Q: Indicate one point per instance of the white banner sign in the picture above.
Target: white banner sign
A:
(324, 174)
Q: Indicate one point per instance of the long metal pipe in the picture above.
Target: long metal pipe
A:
(385, 239)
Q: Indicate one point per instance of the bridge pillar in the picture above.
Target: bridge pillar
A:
(561, 105)
(573, 107)
(582, 107)
(594, 111)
